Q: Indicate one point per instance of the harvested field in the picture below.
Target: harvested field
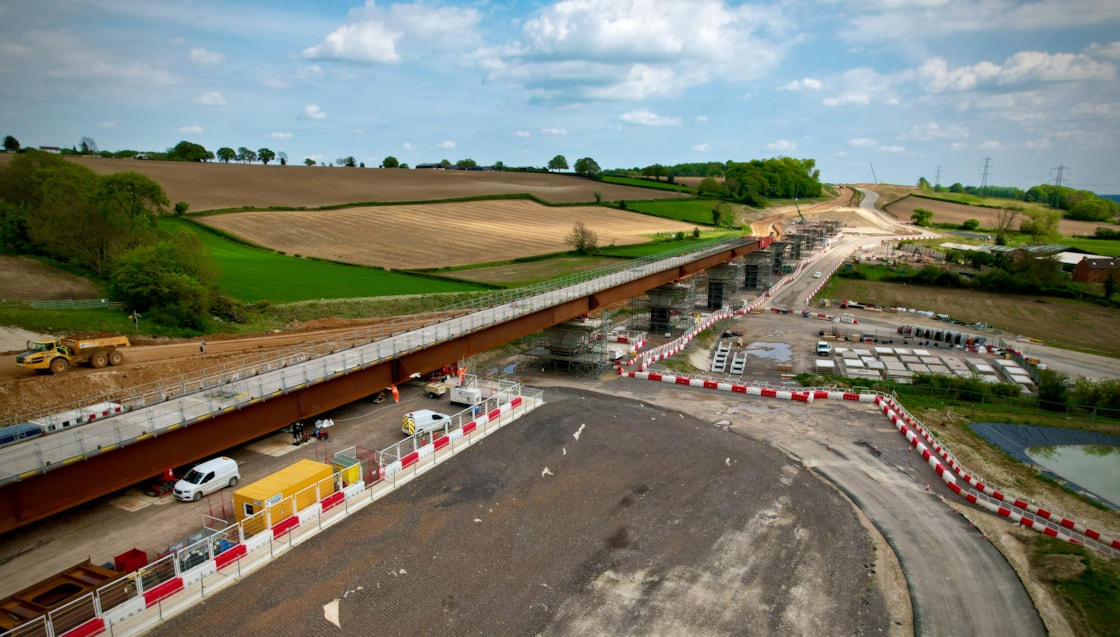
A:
(437, 235)
(25, 279)
(215, 185)
(1058, 322)
(955, 213)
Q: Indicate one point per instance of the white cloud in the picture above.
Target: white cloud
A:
(554, 131)
(312, 111)
(190, 129)
(279, 135)
(1023, 67)
(859, 98)
(380, 35)
(407, 146)
(860, 83)
(522, 133)
(702, 147)
(644, 117)
(896, 20)
(1038, 144)
(1107, 110)
(701, 119)
(300, 74)
(202, 56)
(212, 98)
(958, 146)
(447, 144)
(107, 124)
(782, 146)
(60, 55)
(1110, 51)
(861, 141)
(841, 153)
(990, 144)
(604, 50)
(933, 130)
(892, 149)
(806, 84)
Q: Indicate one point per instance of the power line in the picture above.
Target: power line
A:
(984, 173)
(937, 179)
(1060, 169)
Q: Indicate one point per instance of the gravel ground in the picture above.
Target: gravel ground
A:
(651, 522)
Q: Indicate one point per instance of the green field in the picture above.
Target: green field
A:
(645, 183)
(983, 202)
(697, 211)
(251, 275)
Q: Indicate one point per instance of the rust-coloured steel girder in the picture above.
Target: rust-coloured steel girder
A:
(43, 495)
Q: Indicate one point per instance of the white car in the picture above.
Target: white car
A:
(816, 275)
(423, 421)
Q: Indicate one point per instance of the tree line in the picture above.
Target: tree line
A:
(1082, 205)
(107, 225)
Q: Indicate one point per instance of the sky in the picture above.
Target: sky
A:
(1000, 92)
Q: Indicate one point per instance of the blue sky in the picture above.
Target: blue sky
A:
(904, 86)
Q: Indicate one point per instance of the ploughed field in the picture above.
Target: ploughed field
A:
(437, 235)
(215, 185)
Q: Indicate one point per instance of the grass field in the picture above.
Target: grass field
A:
(646, 183)
(694, 211)
(253, 275)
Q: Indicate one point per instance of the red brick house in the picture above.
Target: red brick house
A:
(1096, 269)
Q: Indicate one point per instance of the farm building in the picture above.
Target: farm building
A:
(1096, 269)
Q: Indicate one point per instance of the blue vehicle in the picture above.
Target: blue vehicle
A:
(15, 433)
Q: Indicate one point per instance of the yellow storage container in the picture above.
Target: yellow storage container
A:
(285, 492)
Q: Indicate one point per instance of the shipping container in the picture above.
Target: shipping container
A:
(285, 492)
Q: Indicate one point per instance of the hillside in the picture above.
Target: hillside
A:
(216, 185)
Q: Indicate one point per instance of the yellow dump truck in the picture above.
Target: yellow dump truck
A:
(285, 492)
(56, 355)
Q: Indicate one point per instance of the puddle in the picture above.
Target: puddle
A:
(775, 351)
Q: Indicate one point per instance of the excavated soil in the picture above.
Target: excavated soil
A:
(597, 516)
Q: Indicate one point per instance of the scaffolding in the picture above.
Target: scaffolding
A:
(665, 310)
(578, 346)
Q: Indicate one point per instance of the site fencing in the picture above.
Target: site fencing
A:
(141, 599)
(85, 304)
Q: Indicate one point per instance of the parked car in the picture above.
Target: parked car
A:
(206, 478)
(423, 421)
(816, 275)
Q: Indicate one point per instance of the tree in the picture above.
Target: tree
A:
(957, 187)
(709, 186)
(466, 164)
(348, 161)
(308, 162)
(499, 165)
(1093, 209)
(558, 162)
(657, 171)
(187, 151)
(444, 164)
(181, 208)
(226, 154)
(923, 185)
(583, 239)
(137, 197)
(266, 155)
(587, 167)
(88, 146)
(1041, 224)
(245, 156)
(171, 281)
(970, 224)
(283, 158)
(922, 217)
(11, 144)
(390, 162)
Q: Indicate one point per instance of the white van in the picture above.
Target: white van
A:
(206, 478)
(823, 348)
(423, 421)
